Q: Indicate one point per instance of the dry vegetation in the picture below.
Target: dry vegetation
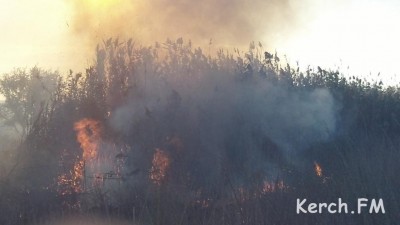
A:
(169, 135)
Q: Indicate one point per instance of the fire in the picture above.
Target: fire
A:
(71, 182)
(78, 175)
(318, 169)
(88, 136)
(160, 165)
(269, 187)
(244, 194)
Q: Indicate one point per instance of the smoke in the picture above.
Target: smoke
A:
(226, 120)
(232, 23)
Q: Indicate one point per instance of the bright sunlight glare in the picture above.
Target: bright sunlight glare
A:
(101, 3)
(360, 38)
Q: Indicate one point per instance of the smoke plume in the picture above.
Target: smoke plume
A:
(225, 119)
(229, 23)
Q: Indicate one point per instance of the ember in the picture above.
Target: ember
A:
(318, 169)
(159, 167)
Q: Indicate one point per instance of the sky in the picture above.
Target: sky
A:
(360, 37)
(35, 33)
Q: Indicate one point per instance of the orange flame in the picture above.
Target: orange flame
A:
(88, 136)
(318, 169)
(159, 167)
(71, 182)
(269, 187)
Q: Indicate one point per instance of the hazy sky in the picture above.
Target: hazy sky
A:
(35, 32)
(60, 34)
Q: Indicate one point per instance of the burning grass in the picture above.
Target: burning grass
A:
(318, 169)
(88, 133)
(230, 139)
(160, 164)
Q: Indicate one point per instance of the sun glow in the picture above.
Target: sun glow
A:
(358, 37)
(101, 4)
